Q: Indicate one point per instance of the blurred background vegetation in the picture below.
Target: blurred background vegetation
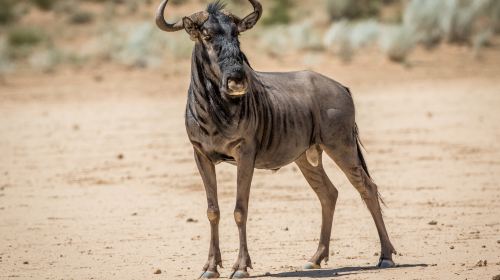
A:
(45, 34)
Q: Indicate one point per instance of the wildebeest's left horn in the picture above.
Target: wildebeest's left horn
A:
(257, 8)
(163, 24)
(251, 19)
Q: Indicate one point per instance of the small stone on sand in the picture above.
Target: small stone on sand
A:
(433, 223)
(158, 271)
(482, 263)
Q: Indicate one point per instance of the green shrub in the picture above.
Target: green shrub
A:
(178, 2)
(24, 37)
(352, 9)
(279, 12)
(21, 41)
(44, 4)
(7, 13)
(81, 17)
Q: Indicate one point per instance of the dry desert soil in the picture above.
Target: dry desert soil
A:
(97, 179)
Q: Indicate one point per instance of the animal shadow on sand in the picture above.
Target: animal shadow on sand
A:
(337, 272)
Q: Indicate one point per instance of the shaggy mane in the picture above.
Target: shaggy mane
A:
(214, 7)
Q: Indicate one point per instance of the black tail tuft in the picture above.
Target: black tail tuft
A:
(360, 153)
(362, 159)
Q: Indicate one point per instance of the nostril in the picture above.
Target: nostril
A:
(235, 78)
(235, 84)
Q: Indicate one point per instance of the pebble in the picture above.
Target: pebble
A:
(433, 223)
(452, 247)
(482, 263)
(158, 271)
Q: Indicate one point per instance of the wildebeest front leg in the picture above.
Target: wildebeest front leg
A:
(245, 160)
(327, 195)
(207, 172)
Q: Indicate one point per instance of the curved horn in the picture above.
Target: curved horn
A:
(163, 24)
(257, 8)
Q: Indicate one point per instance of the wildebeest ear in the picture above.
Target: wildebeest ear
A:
(248, 22)
(191, 28)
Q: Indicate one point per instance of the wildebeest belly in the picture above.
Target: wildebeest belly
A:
(271, 160)
(265, 159)
(274, 153)
(277, 159)
(285, 143)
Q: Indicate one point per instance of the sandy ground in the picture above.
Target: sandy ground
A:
(98, 182)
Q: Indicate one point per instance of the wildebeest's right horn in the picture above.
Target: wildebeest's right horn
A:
(162, 23)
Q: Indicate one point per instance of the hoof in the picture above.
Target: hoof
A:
(383, 263)
(209, 275)
(311, 265)
(240, 274)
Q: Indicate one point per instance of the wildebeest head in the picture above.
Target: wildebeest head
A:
(216, 31)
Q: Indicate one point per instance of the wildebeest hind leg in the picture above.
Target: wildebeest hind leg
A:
(327, 194)
(350, 160)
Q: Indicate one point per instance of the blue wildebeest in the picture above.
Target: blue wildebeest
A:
(266, 120)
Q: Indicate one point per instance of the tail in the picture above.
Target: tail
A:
(362, 159)
(360, 153)
(358, 142)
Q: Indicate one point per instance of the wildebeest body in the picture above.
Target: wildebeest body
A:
(284, 113)
(266, 120)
